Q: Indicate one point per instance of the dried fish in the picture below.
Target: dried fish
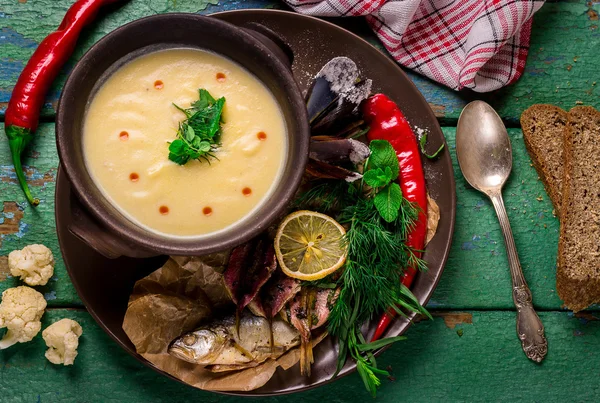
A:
(308, 311)
(227, 368)
(278, 291)
(249, 268)
(264, 262)
(256, 307)
(219, 343)
(233, 273)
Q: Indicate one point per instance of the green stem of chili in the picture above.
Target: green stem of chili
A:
(18, 138)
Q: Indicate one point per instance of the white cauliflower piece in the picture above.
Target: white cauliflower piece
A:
(20, 312)
(34, 264)
(62, 339)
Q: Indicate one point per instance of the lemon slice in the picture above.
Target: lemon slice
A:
(309, 245)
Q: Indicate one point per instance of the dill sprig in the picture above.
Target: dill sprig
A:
(370, 282)
(327, 196)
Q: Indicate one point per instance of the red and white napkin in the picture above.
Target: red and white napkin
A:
(476, 44)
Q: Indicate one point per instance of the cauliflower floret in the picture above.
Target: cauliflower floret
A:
(62, 338)
(20, 312)
(34, 264)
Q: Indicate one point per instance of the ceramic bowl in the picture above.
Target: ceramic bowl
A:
(259, 50)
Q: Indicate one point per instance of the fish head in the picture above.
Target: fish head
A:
(201, 346)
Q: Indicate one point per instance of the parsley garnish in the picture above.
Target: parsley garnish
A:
(198, 136)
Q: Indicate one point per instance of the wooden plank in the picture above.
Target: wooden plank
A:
(476, 275)
(560, 70)
(21, 224)
(459, 356)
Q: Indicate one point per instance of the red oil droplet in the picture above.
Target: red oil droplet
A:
(123, 136)
(246, 191)
(221, 77)
(164, 210)
(158, 85)
(134, 177)
(207, 211)
(261, 136)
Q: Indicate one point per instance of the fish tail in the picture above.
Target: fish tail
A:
(306, 357)
(271, 338)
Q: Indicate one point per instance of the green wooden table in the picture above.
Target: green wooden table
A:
(468, 352)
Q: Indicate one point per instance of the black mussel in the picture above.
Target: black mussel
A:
(323, 170)
(339, 151)
(335, 96)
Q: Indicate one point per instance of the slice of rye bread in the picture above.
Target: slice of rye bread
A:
(543, 132)
(578, 274)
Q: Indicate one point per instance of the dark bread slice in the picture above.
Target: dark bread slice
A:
(578, 274)
(543, 132)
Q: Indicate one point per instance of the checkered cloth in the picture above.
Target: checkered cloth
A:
(476, 44)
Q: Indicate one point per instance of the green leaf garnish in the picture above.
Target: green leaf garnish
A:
(376, 345)
(205, 100)
(198, 135)
(190, 135)
(423, 142)
(378, 177)
(383, 155)
(388, 202)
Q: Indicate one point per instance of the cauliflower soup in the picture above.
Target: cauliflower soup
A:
(136, 116)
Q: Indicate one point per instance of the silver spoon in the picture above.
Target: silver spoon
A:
(485, 157)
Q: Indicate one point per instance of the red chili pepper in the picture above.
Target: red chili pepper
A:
(23, 111)
(387, 122)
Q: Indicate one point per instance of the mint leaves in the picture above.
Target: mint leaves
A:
(383, 155)
(382, 169)
(198, 135)
(379, 177)
(388, 202)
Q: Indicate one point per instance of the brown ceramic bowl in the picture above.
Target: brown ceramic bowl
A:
(98, 222)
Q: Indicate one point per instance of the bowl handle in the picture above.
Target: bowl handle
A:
(271, 40)
(84, 227)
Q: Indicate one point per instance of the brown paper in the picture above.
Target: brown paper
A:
(433, 218)
(173, 300)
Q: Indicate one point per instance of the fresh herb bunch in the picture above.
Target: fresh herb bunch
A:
(198, 136)
(378, 219)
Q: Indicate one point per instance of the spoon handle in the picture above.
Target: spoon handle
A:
(529, 326)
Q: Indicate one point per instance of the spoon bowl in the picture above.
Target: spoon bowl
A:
(482, 147)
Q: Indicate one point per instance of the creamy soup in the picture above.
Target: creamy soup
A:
(131, 121)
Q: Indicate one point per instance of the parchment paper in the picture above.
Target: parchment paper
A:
(433, 218)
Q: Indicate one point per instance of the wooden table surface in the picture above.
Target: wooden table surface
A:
(469, 352)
